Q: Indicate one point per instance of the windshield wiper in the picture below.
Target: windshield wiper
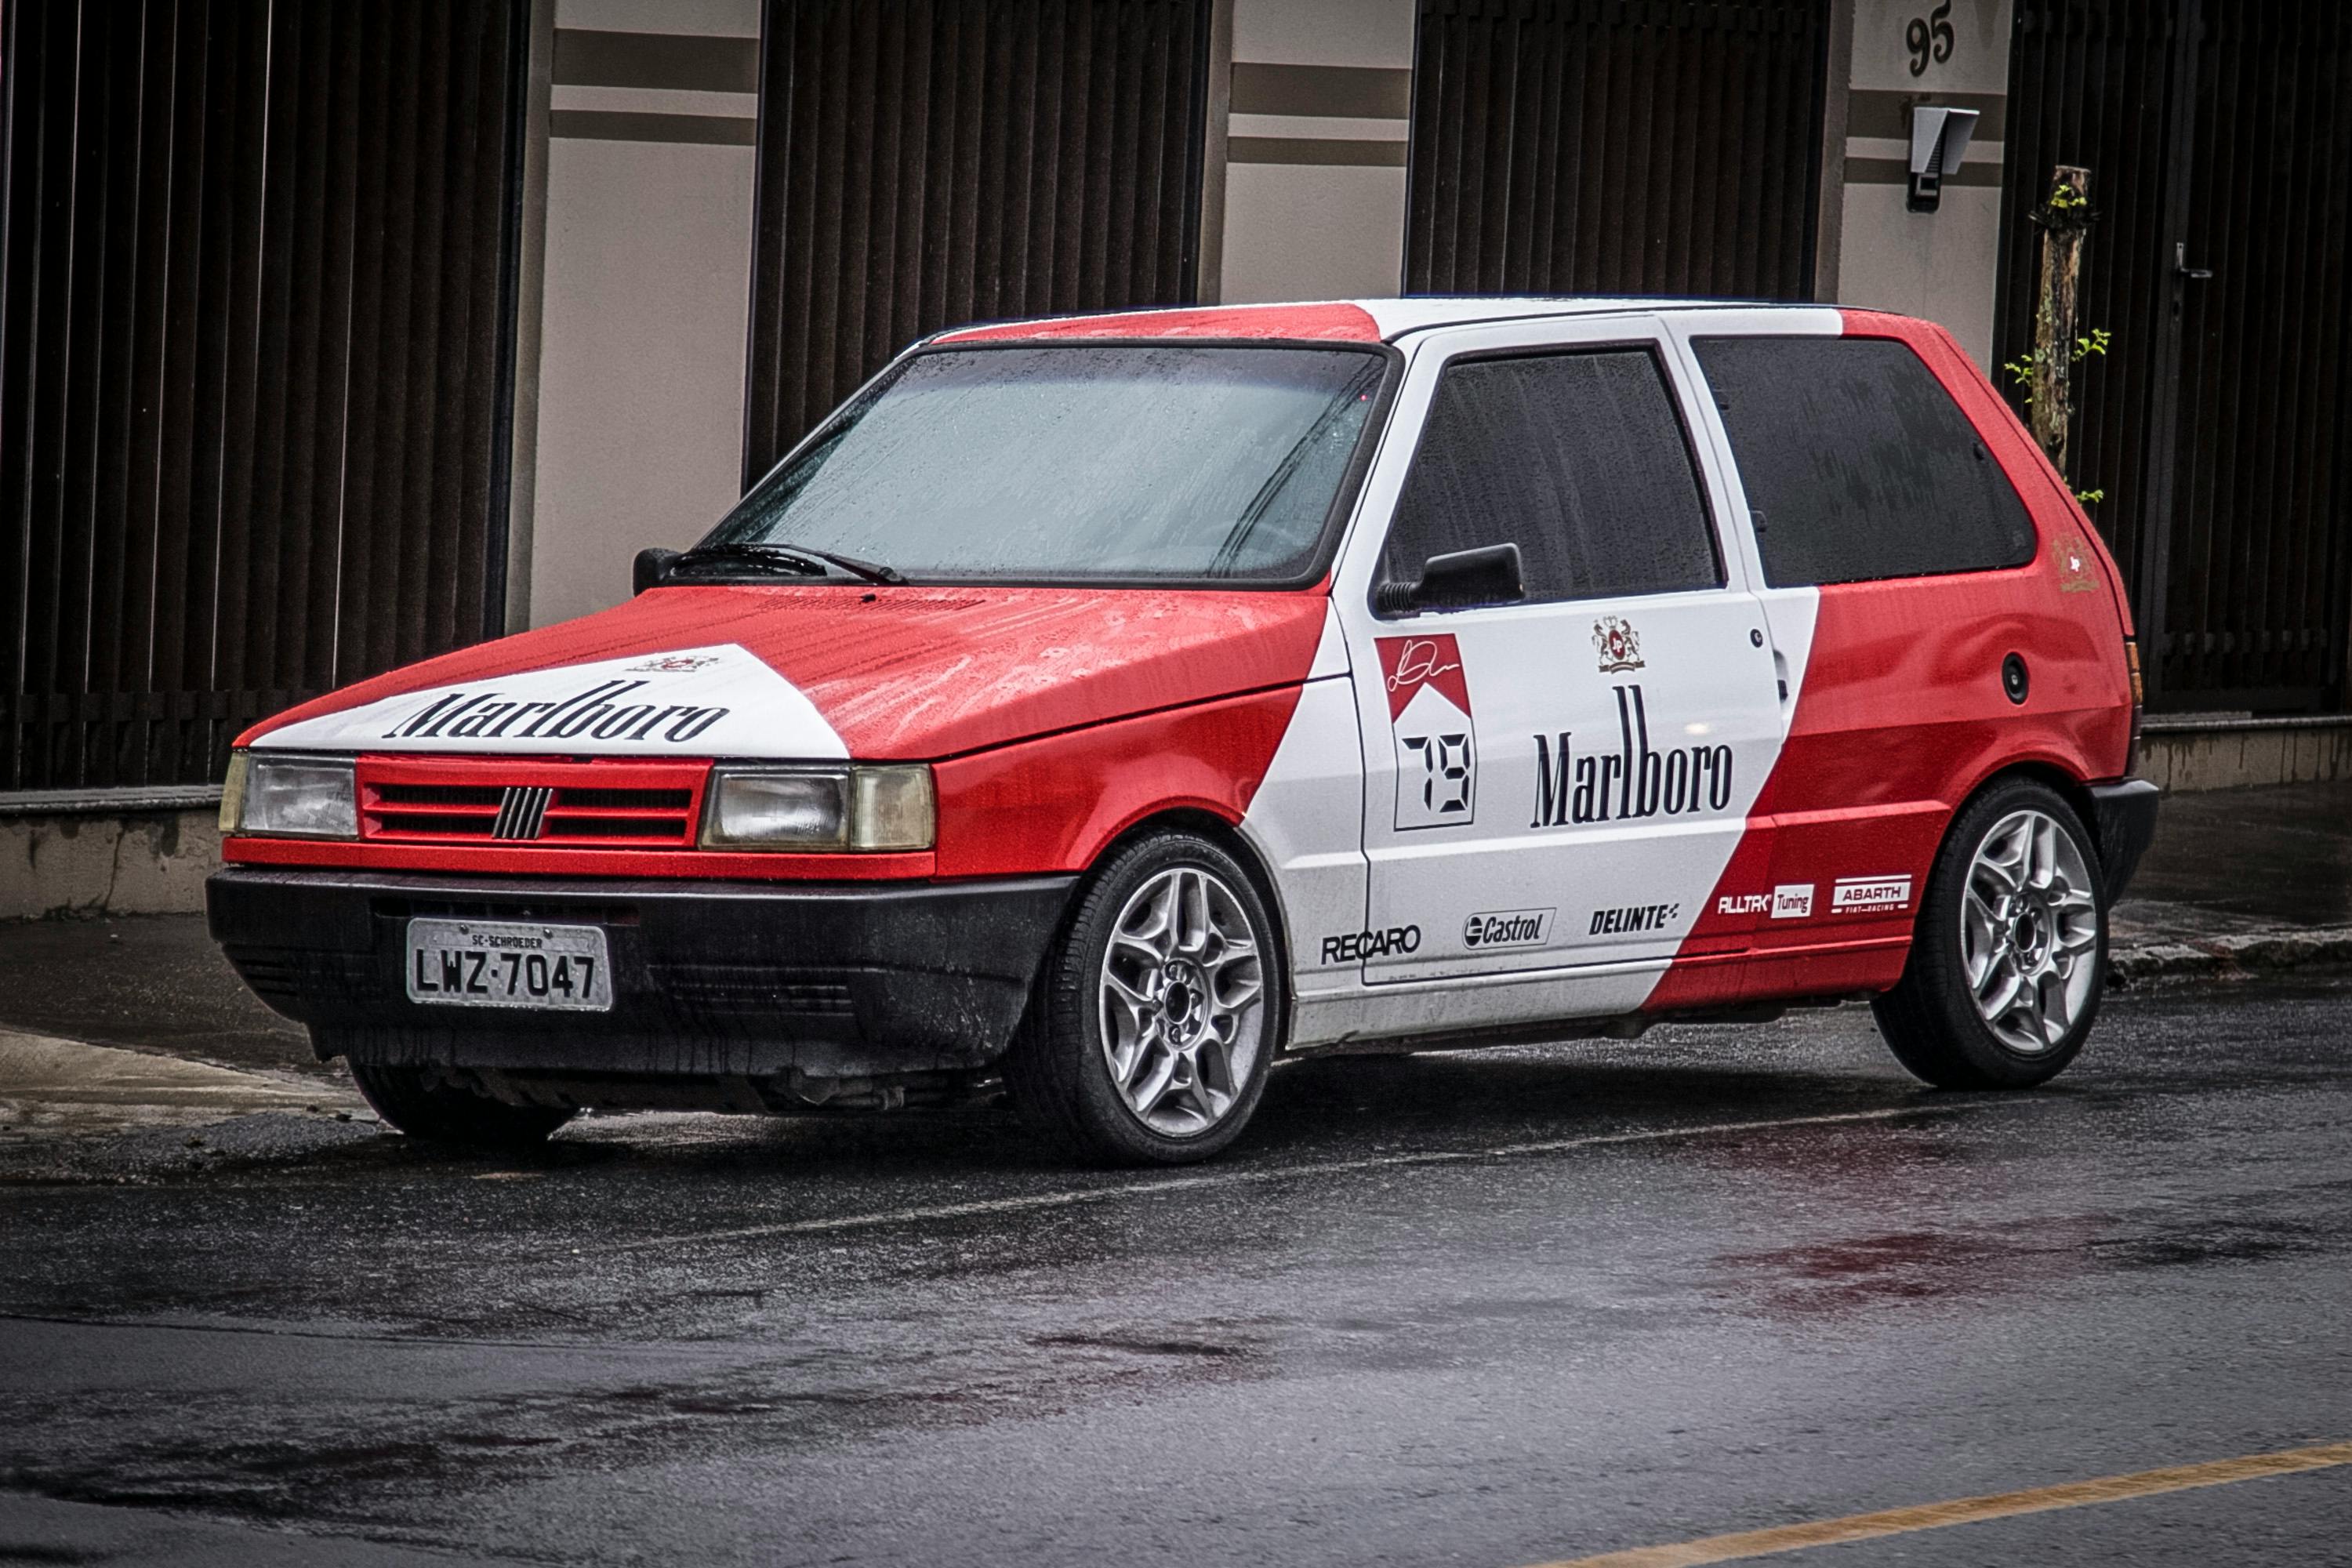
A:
(764, 557)
(871, 571)
(799, 560)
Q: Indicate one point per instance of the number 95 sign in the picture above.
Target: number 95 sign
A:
(1436, 744)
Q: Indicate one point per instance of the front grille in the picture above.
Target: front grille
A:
(564, 804)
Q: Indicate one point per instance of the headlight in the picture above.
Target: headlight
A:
(290, 796)
(819, 808)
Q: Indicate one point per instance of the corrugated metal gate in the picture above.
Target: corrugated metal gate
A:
(256, 315)
(926, 163)
(1616, 146)
(2218, 135)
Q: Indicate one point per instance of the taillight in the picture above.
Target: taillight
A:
(2139, 703)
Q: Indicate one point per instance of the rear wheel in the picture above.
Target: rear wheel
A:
(425, 1104)
(2010, 955)
(1158, 1010)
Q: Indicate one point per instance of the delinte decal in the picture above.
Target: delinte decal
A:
(1429, 718)
(1507, 928)
(1633, 918)
(1871, 893)
(1355, 946)
(1634, 783)
(600, 712)
(720, 701)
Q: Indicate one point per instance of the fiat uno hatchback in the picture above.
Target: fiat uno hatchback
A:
(1095, 712)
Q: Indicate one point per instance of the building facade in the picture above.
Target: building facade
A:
(336, 335)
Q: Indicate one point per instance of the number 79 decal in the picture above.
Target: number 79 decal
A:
(1436, 744)
(1435, 780)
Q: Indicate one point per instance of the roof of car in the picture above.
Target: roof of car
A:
(1331, 320)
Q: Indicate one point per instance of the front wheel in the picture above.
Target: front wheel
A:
(1158, 1012)
(2010, 955)
(421, 1103)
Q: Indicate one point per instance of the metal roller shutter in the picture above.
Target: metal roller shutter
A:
(927, 162)
(2219, 422)
(1616, 146)
(255, 327)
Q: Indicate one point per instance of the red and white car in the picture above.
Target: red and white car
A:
(1103, 708)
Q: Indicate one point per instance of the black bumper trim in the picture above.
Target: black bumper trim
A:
(711, 979)
(2123, 816)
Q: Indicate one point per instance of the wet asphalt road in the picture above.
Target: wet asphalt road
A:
(1483, 1309)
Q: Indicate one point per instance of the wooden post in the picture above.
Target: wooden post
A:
(2053, 322)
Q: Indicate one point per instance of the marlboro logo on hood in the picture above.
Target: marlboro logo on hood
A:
(705, 701)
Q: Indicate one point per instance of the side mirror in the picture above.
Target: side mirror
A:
(1487, 575)
(653, 565)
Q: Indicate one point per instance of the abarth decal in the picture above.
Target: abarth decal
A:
(1887, 893)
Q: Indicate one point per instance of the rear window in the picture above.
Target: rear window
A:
(1577, 458)
(1857, 463)
(1158, 462)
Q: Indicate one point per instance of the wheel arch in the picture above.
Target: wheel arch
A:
(2068, 785)
(1227, 836)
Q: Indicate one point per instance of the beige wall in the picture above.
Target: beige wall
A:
(645, 291)
(1939, 265)
(1314, 174)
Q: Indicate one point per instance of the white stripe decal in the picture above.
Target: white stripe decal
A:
(720, 701)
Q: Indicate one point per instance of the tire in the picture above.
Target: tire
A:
(1158, 1010)
(2008, 956)
(423, 1104)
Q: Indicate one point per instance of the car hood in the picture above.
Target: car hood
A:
(836, 670)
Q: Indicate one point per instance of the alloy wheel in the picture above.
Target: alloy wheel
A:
(1182, 1002)
(2030, 931)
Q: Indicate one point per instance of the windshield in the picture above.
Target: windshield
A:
(1069, 462)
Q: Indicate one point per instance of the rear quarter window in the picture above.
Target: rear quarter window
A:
(1857, 463)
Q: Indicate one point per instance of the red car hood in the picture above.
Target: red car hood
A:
(792, 671)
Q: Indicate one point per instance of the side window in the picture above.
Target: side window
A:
(1858, 464)
(1577, 458)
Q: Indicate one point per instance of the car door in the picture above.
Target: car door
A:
(1557, 782)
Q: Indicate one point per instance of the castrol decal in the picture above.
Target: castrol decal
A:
(702, 701)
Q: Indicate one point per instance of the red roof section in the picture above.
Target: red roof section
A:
(1333, 323)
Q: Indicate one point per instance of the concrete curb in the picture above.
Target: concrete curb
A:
(2238, 956)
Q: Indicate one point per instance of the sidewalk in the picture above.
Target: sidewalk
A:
(2239, 880)
(2245, 879)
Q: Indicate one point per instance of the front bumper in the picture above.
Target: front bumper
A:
(709, 979)
(2123, 818)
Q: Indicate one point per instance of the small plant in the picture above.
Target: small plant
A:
(2021, 367)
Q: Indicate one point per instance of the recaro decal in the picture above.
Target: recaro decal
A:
(693, 701)
(1634, 783)
(1355, 946)
(1429, 721)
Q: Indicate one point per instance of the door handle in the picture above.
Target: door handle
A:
(2180, 264)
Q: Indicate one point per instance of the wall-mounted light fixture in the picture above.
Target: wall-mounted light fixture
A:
(1940, 140)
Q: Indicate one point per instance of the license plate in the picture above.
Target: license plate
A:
(501, 964)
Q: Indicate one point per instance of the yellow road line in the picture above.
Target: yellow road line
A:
(1967, 1510)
